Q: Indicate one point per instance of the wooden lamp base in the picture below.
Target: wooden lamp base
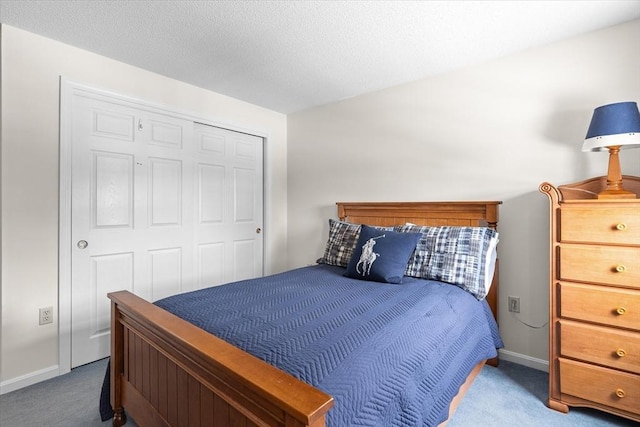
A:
(614, 188)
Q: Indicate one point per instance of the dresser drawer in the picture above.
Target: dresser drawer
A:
(616, 225)
(608, 306)
(609, 387)
(610, 265)
(618, 349)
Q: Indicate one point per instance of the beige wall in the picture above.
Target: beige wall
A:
(489, 132)
(31, 70)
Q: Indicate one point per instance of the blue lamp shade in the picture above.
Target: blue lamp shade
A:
(613, 125)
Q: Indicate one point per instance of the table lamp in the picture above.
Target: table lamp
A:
(613, 127)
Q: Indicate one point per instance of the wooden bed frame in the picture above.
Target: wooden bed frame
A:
(167, 372)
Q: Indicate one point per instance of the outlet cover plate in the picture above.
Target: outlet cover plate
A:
(514, 304)
(46, 315)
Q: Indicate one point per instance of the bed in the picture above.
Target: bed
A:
(172, 365)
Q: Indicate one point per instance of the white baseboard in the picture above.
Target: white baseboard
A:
(522, 359)
(29, 379)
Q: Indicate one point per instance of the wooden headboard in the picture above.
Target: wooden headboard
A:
(472, 214)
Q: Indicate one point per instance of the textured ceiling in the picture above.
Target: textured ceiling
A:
(292, 55)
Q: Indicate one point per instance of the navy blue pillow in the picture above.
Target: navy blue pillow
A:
(381, 255)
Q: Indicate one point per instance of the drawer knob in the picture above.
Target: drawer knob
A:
(621, 310)
(620, 393)
(621, 353)
(621, 268)
(621, 226)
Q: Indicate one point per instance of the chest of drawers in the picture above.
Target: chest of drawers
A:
(594, 325)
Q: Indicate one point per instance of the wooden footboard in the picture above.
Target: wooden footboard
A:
(167, 372)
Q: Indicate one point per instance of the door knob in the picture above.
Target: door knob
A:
(82, 244)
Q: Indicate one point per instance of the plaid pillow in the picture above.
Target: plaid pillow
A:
(343, 237)
(457, 255)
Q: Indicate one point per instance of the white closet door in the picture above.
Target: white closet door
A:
(229, 198)
(137, 207)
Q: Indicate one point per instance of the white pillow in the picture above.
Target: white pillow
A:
(490, 262)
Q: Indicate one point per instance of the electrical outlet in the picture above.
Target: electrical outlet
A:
(514, 304)
(46, 315)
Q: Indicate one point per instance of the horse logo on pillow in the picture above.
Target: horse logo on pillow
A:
(368, 257)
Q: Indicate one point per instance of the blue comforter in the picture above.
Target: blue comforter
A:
(390, 355)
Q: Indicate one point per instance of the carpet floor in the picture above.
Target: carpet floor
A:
(511, 395)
